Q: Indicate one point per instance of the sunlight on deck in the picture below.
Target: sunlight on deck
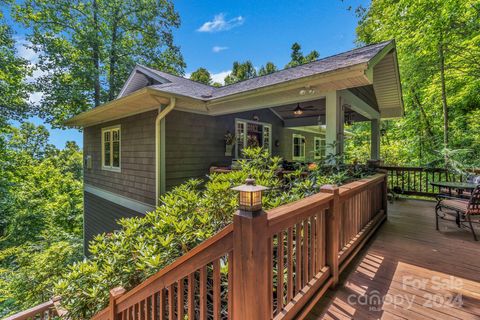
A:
(410, 271)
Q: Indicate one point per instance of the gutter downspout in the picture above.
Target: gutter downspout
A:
(159, 186)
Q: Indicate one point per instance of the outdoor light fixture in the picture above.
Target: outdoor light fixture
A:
(250, 196)
(298, 111)
(307, 90)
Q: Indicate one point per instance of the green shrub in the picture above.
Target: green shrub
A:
(188, 215)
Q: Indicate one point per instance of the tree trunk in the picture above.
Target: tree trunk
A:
(113, 59)
(424, 114)
(444, 99)
(444, 95)
(96, 55)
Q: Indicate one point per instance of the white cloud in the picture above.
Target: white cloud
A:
(220, 76)
(220, 24)
(217, 49)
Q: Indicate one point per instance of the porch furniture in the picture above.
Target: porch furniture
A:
(461, 209)
(459, 189)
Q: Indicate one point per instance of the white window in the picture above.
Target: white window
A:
(111, 148)
(319, 148)
(298, 145)
(252, 134)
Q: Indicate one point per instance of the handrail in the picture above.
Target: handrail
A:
(210, 250)
(354, 187)
(308, 242)
(288, 214)
(39, 310)
(217, 245)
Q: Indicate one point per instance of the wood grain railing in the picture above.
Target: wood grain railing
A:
(417, 180)
(197, 285)
(298, 257)
(47, 310)
(268, 265)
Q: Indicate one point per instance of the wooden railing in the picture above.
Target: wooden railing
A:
(194, 285)
(417, 180)
(271, 265)
(47, 310)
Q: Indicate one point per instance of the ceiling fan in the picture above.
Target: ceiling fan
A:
(298, 111)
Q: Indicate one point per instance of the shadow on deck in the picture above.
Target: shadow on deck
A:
(409, 271)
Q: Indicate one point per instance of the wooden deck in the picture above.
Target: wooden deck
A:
(409, 271)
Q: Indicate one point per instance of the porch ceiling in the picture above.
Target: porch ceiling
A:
(313, 114)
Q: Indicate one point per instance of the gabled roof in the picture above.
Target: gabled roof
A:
(188, 88)
(352, 69)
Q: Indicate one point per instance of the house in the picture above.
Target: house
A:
(163, 129)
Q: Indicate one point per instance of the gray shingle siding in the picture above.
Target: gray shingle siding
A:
(137, 177)
(101, 216)
(196, 142)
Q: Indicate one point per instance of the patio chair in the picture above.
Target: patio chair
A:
(461, 209)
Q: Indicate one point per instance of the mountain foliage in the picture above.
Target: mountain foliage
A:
(438, 44)
(41, 205)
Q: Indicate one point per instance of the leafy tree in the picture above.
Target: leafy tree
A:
(240, 72)
(438, 50)
(13, 71)
(297, 58)
(267, 69)
(87, 48)
(42, 213)
(201, 75)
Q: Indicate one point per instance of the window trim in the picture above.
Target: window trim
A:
(111, 167)
(300, 158)
(246, 122)
(315, 139)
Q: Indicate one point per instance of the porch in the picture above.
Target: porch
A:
(409, 271)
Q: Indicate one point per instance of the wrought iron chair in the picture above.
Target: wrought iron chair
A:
(461, 209)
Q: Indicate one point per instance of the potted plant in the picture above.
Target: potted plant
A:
(229, 143)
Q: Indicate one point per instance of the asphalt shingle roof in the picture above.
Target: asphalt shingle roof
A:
(189, 88)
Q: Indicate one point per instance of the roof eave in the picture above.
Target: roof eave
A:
(87, 118)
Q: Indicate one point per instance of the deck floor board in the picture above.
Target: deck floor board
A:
(409, 270)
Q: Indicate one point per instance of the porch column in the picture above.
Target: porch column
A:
(334, 122)
(375, 139)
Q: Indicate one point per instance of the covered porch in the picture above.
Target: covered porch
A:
(409, 271)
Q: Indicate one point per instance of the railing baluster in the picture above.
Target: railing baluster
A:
(298, 257)
(191, 296)
(171, 302)
(180, 301)
(290, 264)
(231, 289)
(313, 235)
(280, 272)
(305, 254)
(162, 304)
(203, 293)
(216, 290)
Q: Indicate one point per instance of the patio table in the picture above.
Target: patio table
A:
(459, 186)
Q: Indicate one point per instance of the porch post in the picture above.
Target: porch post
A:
(375, 139)
(334, 122)
(252, 256)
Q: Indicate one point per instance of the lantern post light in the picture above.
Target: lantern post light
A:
(250, 197)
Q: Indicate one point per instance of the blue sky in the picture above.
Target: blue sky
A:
(213, 34)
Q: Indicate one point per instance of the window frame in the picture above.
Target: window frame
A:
(245, 123)
(111, 129)
(301, 157)
(315, 156)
